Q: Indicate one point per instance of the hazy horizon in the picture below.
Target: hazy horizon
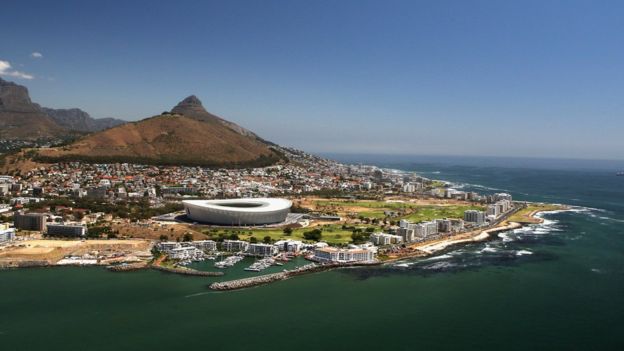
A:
(517, 79)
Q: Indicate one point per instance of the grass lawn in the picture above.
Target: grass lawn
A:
(523, 216)
(419, 213)
(332, 234)
(369, 204)
(428, 213)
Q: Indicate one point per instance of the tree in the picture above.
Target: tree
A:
(187, 237)
(359, 237)
(267, 239)
(288, 231)
(315, 235)
(163, 237)
(253, 240)
(233, 236)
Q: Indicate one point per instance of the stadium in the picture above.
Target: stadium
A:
(238, 212)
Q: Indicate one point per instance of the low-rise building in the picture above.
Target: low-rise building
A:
(293, 246)
(7, 234)
(235, 245)
(340, 255)
(66, 230)
(185, 253)
(204, 245)
(263, 250)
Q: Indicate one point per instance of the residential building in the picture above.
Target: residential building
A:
(7, 234)
(66, 230)
(474, 216)
(235, 245)
(204, 245)
(381, 239)
(340, 255)
(293, 246)
(30, 221)
(263, 250)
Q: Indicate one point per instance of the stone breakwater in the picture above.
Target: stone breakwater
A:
(127, 267)
(186, 271)
(273, 277)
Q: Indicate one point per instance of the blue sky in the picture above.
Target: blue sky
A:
(502, 78)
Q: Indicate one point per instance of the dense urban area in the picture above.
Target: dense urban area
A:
(128, 216)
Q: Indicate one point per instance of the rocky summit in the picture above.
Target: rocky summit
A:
(20, 118)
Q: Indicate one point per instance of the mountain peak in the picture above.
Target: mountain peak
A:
(191, 100)
(189, 103)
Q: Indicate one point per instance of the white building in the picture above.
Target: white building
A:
(474, 216)
(293, 246)
(235, 245)
(186, 253)
(339, 255)
(381, 239)
(204, 245)
(502, 196)
(263, 250)
(6, 234)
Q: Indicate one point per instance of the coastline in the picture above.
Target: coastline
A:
(420, 250)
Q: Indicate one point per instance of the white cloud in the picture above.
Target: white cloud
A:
(36, 55)
(8, 71)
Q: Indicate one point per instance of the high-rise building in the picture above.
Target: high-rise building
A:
(474, 216)
(30, 221)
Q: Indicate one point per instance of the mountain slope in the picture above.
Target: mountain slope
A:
(192, 107)
(170, 139)
(20, 118)
(78, 120)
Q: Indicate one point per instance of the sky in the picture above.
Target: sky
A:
(489, 78)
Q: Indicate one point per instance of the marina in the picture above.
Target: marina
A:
(262, 264)
(228, 261)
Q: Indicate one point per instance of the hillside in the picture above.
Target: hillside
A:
(170, 139)
(20, 118)
(79, 120)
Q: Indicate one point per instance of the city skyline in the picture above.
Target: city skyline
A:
(451, 78)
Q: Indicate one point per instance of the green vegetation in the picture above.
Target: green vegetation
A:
(376, 210)
(331, 233)
(314, 235)
(524, 215)
(261, 161)
(98, 231)
(427, 213)
(134, 210)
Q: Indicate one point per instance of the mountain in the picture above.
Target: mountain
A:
(192, 107)
(78, 120)
(20, 118)
(188, 135)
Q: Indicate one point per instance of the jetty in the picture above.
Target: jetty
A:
(127, 267)
(186, 271)
(286, 274)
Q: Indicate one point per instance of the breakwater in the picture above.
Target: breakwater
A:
(127, 267)
(186, 271)
(273, 277)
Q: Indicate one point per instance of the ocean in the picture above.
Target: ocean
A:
(558, 285)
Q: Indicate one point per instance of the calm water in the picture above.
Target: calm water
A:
(559, 285)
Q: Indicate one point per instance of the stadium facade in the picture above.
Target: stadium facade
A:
(238, 212)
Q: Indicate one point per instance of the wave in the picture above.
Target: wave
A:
(523, 252)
